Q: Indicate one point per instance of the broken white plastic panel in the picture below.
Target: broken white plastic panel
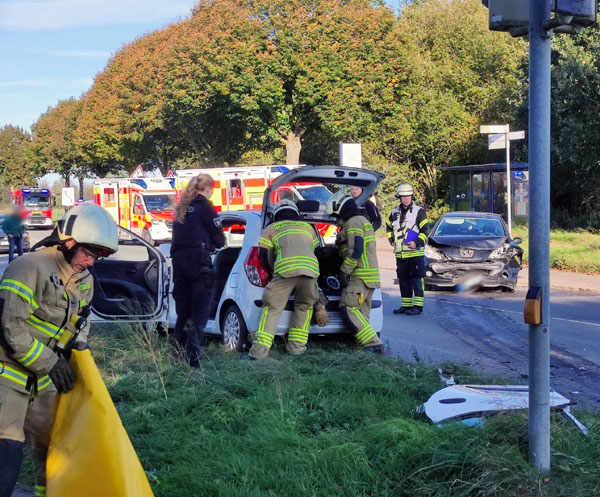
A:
(462, 402)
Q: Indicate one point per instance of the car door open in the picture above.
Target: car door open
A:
(131, 285)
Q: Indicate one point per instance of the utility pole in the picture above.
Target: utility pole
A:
(571, 17)
(539, 232)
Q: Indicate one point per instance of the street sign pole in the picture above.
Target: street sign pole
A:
(539, 232)
(508, 191)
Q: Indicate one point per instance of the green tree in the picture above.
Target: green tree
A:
(16, 165)
(467, 75)
(54, 146)
(122, 120)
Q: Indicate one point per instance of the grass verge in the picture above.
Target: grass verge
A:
(569, 250)
(335, 422)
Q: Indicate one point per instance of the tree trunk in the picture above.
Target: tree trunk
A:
(80, 178)
(293, 145)
(67, 180)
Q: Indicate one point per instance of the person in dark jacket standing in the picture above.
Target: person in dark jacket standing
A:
(368, 210)
(14, 229)
(197, 231)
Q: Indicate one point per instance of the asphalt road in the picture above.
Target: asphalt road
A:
(485, 331)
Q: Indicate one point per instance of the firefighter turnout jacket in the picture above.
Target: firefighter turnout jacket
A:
(405, 225)
(359, 252)
(291, 247)
(41, 293)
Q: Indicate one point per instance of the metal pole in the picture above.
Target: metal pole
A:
(508, 189)
(539, 233)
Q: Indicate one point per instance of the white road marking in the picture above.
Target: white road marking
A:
(514, 312)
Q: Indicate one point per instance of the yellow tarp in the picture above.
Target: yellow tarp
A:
(90, 453)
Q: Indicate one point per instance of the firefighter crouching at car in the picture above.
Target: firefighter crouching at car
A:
(197, 231)
(45, 297)
(287, 246)
(359, 273)
(407, 230)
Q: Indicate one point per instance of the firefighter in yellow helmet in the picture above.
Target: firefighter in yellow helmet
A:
(287, 246)
(359, 273)
(45, 296)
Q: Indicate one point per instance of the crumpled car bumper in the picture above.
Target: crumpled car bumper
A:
(450, 274)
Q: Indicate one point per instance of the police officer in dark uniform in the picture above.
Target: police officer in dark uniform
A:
(197, 231)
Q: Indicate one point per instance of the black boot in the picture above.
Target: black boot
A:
(401, 310)
(11, 456)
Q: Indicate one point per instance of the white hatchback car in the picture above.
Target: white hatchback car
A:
(134, 284)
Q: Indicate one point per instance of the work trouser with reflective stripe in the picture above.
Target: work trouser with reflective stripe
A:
(355, 307)
(275, 298)
(411, 273)
(27, 418)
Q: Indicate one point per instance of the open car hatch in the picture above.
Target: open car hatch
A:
(333, 178)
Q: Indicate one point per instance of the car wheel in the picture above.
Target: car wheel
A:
(147, 237)
(234, 330)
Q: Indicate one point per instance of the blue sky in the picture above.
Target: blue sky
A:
(51, 50)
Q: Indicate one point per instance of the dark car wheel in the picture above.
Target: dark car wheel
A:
(234, 330)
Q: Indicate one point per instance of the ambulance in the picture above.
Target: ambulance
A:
(243, 188)
(142, 205)
(235, 188)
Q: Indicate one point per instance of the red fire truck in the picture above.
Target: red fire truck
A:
(39, 203)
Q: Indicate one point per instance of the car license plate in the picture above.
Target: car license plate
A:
(4, 242)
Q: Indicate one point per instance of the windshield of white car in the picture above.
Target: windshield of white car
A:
(469, 226)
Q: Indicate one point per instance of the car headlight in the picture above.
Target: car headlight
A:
(504, 251)
(434, 254)
(155, 222)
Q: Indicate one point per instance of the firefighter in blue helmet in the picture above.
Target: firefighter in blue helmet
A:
(45, 297)
(407, 229)
(359, 273)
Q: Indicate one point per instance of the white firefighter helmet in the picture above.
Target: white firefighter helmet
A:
(336, 202)
(404, 190)
(92, 226)
(286, 204)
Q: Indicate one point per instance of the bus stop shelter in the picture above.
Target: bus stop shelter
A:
(482, 188)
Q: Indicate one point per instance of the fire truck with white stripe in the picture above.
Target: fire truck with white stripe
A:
(142, 205)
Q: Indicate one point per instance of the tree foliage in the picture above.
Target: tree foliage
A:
(16, 166)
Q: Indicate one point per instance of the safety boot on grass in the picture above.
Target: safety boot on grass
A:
(295, 348)
(374, 345)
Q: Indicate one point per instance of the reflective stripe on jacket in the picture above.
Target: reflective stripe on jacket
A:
(40, 292)
(291, 248)
(359, 251)
(404, 224)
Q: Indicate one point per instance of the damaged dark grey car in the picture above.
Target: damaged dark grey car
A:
(472, 247)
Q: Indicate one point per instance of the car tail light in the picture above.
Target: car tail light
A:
(255, 270)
